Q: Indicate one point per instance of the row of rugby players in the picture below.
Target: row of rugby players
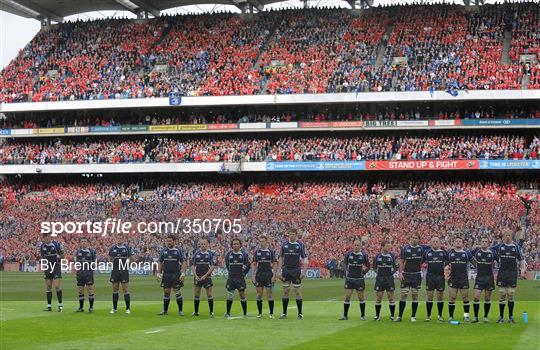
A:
(293, 262)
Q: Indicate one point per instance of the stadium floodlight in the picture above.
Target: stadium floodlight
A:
(21, 8)
(130, 5)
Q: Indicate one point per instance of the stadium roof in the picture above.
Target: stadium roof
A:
(56, 10)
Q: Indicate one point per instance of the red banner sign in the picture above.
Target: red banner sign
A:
(422, 165)
(343, 124)
(222, 126)
(357, 124)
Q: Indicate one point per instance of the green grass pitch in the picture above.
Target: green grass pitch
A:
(23, 324)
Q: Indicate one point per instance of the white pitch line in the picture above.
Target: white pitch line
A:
(155, 331)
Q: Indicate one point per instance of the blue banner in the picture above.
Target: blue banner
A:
(509, 164)
(469, 122)
(5, 131)
(316, 165)
(105, 128)
(497, 164)
(313, 273)
(174, 99)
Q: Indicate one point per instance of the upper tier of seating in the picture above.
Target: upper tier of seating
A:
(398, 48)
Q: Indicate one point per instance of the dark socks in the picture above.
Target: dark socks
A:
(414, 308)
(127, 299)
(451, 308)
(271, 306)
(210, 304)
(180, 302)
(363, 308)
(196, 303)
(285, 305)
(81, 301)
(229, 306)
(91, 300)
(346, 306)
(166, 301)
(476, 307)
(466, 307)
(49, 297)
(115, 300)
(259, 306)
(392, 309)
(429, 306)
(299, 306)
(440, 306)
(377, 310)
(487, 306)
(402, 305)
(243, 302)
(511, 308)
(59, 296)
(501, 309)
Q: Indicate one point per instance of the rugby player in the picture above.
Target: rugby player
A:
(120, 253)
(484, 259)
(52, 252)
(85, 275)
(385, 264)
(509, 255)
(354, 278)
(458, 260)
(410, 275)
(202, 265)
(171, 271)
(237, 264)
(264, 274)
(293, 261)
(436, 259)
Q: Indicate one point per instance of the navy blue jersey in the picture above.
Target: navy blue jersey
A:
(459, 262)
(354, 263)
(264, 258)
(385, 264)
(484, 260)
(436, 261)
(172, 259)
(120, 254)
(85, 256)
(237, 263)
(509, 255)
(412, 255)
(292, 253)
(51, 251)
(203, 261)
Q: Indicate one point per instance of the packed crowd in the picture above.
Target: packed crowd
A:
(424, 47)
(445, 48)
(80, 61)
(221, 116)
(328, 215)
(176, 150)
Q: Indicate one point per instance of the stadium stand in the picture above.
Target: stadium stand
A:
(429, 47)
(329, 214)
(439, 47)
(165, 149)
(223, 116)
